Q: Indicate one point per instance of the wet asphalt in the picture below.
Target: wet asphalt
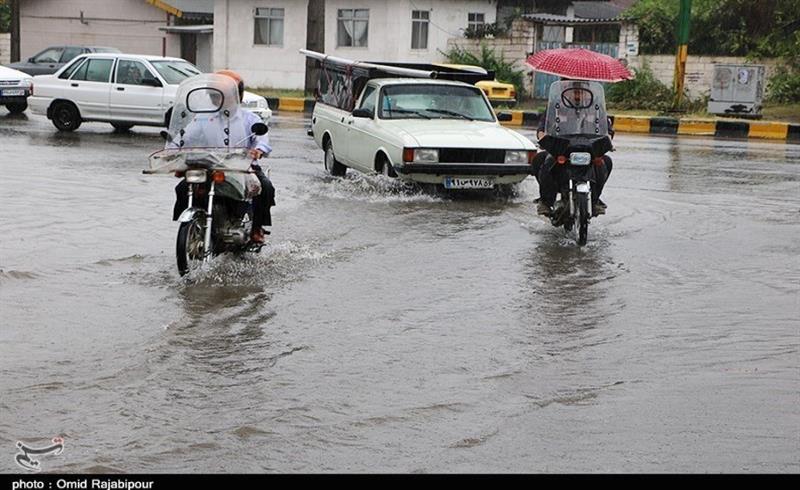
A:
(388, 330)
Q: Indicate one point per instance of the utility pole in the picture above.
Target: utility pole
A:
(684, 15)
(315, 40)
(15, 55)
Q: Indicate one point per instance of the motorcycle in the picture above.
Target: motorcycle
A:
(220, 180)
(576, 139)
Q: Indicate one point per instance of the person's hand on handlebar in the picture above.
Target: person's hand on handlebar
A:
(255, 153)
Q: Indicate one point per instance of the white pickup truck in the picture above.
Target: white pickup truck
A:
(423, 130)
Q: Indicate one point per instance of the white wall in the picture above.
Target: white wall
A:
(389, 37)
(129, 25)
(5, 48)
(260, 65)
(699, 69)
(205, 51)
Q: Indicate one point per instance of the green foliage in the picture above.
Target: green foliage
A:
(784, 86)
(5, 16)
(718, 27)
(504, 71)
(481, 31)
(644, 91)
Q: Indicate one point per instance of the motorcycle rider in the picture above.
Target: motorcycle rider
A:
(549, 175)
(259, 147)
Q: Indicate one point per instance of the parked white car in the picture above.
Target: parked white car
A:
(15, 88)
(121, 89)
(427, 131)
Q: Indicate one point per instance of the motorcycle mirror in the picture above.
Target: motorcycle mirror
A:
(259, 128)
(164, 134)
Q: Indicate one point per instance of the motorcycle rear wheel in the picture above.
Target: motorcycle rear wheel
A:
(190, 246)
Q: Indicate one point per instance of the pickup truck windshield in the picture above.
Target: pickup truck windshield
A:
(429, 101)
(174, 72)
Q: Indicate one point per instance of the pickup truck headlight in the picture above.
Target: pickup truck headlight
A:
(262, 103)
(519, 157)
(421, 155)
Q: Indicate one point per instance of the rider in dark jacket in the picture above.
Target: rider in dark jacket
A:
(548, 175)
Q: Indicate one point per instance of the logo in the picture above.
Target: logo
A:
(25, 460)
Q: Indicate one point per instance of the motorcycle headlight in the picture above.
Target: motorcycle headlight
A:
(580, 158)
(195, 176)
(426, 155)
(517, 157)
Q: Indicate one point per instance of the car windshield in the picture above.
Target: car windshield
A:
(175, 71)
(430, 101)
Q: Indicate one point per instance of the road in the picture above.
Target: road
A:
(395, 331)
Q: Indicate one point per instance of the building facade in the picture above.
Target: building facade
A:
(261, 39)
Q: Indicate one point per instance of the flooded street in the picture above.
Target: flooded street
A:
(395, 331)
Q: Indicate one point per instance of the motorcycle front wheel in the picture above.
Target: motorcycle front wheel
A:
(190, 246)
(583, 218)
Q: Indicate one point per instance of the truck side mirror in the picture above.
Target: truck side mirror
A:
(504, 117)
(366, 113)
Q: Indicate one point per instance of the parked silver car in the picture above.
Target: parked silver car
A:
(53, 58)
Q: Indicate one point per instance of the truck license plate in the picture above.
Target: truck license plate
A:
(468, 183)
(12, 92)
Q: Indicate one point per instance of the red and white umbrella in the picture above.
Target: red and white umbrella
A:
(579, 64)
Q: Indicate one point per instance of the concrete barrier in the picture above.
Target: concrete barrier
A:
(628, 124)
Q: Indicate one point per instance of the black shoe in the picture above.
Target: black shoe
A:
(543, 209)
(598, 208)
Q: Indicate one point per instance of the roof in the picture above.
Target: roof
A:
(179, 8)
(597, 10)
(148, 57)
(201, 29)
(417, 81)
(584, 13)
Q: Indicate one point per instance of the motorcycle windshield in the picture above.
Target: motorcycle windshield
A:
(173, 160)
(206, 114)
(576, 108)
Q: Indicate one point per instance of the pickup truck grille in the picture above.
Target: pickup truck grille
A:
(8, 83)
(471, 155)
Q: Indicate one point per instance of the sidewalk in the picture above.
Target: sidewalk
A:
(732, 128)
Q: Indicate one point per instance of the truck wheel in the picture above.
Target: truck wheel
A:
(386, 168)
(66, 116)
(17, 107)
(331, 164)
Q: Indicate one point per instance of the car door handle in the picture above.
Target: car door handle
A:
(120, 88)
(73, 84)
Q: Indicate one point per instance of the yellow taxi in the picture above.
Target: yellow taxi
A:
(498, 93)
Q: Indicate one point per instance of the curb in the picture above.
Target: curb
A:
(627, 124)
(695, 127)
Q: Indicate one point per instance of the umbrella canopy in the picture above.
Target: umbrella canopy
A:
(579, 64)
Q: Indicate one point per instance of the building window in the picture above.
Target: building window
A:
(353, 28)
(269, 27)
(419, 29)
(475, 20)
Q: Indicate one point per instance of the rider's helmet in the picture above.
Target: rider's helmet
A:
(237, 78)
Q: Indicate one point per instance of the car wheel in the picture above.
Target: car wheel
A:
(122, 127)
(66, 116)
(17, 107)
(386, 169)
(331, 164)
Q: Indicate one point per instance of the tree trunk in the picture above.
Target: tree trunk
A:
(15, 55)
(315, 41)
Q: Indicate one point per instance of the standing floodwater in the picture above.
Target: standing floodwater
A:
(387, 330)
